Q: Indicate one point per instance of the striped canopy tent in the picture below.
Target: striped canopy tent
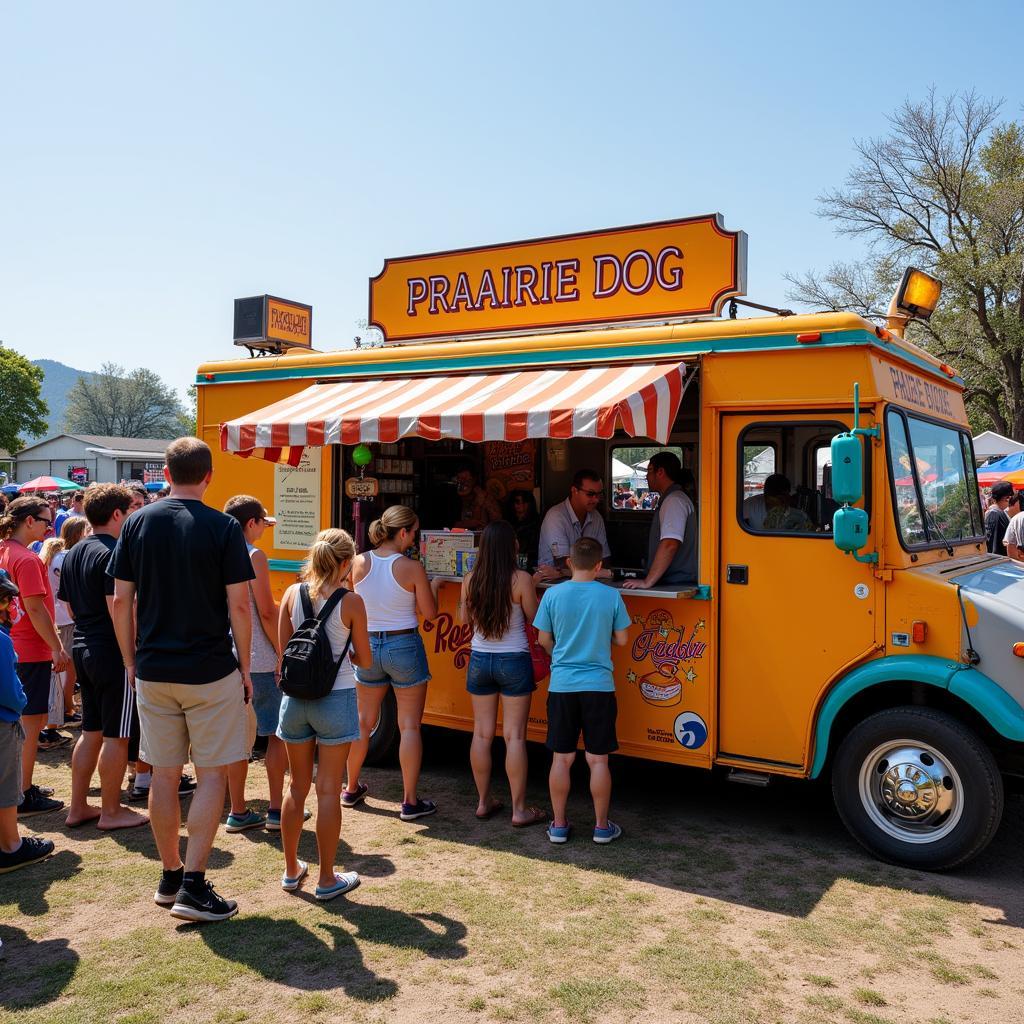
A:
(641, 399)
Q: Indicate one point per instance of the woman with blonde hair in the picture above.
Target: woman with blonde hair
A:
(324, 727)
(73, 530)
(395, 588)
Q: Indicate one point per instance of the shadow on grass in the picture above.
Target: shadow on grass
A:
(284, 951)
(33, 973)
(779, 849)
(27, 887)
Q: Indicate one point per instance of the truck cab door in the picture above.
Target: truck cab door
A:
(794, 609)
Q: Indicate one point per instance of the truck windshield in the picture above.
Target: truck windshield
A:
(934, 482)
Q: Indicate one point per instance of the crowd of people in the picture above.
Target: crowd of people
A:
(181, 654)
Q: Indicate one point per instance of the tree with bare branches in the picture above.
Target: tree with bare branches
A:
(119, 403)
(943, 191)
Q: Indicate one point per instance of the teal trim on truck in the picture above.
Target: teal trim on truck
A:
(987, 697)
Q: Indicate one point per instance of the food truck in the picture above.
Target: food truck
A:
(845, 621)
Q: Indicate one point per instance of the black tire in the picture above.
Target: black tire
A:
(384, 737)
(930, 815)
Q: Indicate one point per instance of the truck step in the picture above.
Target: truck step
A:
(748, 778)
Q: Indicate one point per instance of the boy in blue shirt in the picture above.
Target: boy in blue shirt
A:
(578, 621)
(15, 852)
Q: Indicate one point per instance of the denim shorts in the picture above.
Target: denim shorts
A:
(331, 720)
(266, 702)
(397, 661)
(510, 674)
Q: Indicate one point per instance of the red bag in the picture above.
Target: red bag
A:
(540, 658)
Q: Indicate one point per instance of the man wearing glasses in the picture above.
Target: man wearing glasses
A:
(33, 633)
(568, 521)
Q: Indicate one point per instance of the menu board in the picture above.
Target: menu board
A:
(297, 502)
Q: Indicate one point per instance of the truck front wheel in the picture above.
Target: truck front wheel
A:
(918, 788)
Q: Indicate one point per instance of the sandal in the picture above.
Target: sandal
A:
(537, 815)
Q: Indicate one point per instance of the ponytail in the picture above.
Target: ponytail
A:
(331, 550)
(49, 550)
(395, 518)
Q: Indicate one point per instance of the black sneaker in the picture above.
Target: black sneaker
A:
(139, 794)
(206, 907)
(166, 894)
(72, 721)
(50, 739)
(186, 785)
(36, 803)
(30, 851)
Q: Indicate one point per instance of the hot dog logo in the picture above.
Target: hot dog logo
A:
(669, 648)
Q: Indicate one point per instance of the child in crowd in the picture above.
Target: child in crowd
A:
(577, 622)
(15, 852)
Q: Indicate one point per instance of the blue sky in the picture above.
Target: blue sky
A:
(158, 161)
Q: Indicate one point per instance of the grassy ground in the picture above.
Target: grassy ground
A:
(722, 904)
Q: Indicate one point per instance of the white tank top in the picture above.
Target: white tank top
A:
(513, 642)
(389, 606)
(337, 633)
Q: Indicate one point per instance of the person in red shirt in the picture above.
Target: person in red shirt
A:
(35, 637)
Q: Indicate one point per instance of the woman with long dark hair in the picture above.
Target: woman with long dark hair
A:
(498, 600)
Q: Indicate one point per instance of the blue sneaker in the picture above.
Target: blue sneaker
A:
(274, 819)
(244, 822)
(609, 834)
(343, 883)
(559, 833)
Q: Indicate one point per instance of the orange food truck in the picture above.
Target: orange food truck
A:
(845, 619)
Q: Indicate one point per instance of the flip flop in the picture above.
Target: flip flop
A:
(496, 806)
(536, 817)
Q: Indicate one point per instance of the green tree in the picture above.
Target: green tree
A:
(22, 410)
(943, 191)
(124, 403)
(190, 417)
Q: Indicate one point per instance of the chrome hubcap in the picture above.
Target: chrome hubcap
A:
(911, 791)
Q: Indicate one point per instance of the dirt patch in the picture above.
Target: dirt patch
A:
(720, 904)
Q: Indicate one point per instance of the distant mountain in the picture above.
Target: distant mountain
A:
(57, 383)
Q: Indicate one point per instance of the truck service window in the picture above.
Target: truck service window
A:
(933, 480)
(629, 492)
(786, 479)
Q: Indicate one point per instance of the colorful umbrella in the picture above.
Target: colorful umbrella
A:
(49, 483)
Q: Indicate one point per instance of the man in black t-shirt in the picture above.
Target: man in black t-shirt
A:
(110, 722)
(996, 518)
(189, 567)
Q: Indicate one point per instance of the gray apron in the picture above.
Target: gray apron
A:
(683, 567)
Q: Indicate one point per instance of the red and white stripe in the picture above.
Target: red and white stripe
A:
(642, 399)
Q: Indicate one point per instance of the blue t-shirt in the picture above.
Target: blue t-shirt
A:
(582, 618)
(12, 694)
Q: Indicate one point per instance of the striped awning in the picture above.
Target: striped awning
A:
(642, 399)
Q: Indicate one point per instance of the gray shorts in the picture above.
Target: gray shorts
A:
(12, 736)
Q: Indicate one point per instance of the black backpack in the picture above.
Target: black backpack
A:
(308, 665)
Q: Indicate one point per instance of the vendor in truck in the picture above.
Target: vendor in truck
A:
(672, 544)
(478, 507)
(568, 521)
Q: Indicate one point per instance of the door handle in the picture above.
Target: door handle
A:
(736, 574)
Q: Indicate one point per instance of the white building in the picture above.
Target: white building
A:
(87, 458)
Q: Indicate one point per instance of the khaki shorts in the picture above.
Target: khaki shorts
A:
(209, 717)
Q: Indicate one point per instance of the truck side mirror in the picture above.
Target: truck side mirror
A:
(850, 529)
(847, 468)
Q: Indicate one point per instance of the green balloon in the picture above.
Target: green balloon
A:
(361, 455)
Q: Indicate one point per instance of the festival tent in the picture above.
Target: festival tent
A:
(990, 445)
(49, 483)
(620, 471)
(1000, 469)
